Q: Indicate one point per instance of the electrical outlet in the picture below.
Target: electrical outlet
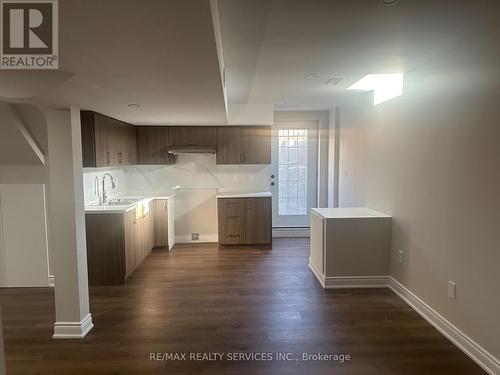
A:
(401, 254)
(451, 289)
(195, 236)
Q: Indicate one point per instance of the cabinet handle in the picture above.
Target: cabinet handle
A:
(165, 205)
(108, 157)
(119, 158)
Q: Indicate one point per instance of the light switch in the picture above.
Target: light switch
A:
(451, 289)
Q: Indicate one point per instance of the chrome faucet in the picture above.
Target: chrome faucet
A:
(104, 195)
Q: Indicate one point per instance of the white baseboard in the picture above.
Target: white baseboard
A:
(186, 238)
(319, 275)
(52, 281)
(73, 330)
(349, 282)
(477, 353)
(291, 232)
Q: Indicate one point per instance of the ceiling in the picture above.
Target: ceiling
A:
(156, 53)
(165, 54)
(270, 46)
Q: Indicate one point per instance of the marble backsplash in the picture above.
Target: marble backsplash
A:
(196, 172)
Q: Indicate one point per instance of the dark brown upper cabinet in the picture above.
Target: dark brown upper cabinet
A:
(152, 145)
(107, 141)
(193, 135)
(110, 142)
(244, 145)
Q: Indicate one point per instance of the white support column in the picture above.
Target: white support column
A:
(67, 224)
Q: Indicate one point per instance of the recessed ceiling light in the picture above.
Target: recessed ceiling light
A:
(388, 3)
(333, 81)
(134, 105)
(312, 75)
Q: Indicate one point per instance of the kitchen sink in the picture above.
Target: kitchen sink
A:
(122, 201)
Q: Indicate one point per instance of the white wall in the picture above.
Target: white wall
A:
(431, 159)
(23, 236)
(19, 164)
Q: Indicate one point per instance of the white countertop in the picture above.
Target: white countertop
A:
(95, 208)
(244, 194)
(347, 212)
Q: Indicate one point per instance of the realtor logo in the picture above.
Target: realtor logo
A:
(29, 34)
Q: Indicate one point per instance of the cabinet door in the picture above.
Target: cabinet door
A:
(256, 144)
(106, 259)
(140, 241)
(102, 154)
(114, 142)
(257, 224)
(145, 240)
(231, 217)
(130, 241)
(229, 143)
(150, 234)
(193, 135)
(152, 145)
(160, 222)
(131, 145)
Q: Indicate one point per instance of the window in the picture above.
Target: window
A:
(292, 178)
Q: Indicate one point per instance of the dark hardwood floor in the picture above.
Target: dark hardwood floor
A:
(202, 299)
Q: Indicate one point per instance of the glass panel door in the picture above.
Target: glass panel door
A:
(294, 172)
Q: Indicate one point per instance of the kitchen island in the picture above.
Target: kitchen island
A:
(350, 247)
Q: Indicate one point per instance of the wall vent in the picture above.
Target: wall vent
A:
(334, 81)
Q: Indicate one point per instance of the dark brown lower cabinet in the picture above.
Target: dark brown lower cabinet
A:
(244, 221)
(117, 243)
